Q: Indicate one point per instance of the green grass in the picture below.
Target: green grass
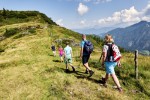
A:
(29, 71)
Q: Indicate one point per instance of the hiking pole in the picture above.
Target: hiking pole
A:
(101, 57)
(101, 67)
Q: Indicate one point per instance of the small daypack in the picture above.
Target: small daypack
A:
(88, 47)
(113, 53)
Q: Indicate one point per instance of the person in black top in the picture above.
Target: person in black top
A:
(108, 63)
(53, 49)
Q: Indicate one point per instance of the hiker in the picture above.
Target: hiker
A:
(68, 57)
(85, 56)
(109, 63)
(61, 53)
(53, 49)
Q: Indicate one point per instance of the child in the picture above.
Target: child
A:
(68, 57)
(53, 49)
(61, 53)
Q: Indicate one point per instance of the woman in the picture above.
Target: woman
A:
(108, 62)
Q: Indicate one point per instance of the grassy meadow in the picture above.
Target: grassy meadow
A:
(28, 70)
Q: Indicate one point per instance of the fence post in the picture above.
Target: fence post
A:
(136, 64)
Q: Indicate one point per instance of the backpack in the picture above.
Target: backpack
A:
(88, 47)
(113, 53)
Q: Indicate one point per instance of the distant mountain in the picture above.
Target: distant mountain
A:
(95, 30)
(136, 36)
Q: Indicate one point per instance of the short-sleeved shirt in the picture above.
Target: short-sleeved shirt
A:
(109, 65)
(68, 51)
(53, 48)
(61, 51)
(82, 46)
(105, 47)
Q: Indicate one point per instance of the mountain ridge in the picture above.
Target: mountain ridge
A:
(132, 36)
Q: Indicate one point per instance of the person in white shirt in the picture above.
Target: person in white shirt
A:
(68, 57)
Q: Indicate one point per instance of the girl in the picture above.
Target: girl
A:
(61, 53)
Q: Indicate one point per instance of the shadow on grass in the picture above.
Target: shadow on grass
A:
(56, 61)
(68, 72)
(81, 75)
(90, 79)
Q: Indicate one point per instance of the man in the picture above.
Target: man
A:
(85, 56)
(68, 57)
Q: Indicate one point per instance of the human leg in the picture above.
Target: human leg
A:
(61, 58)
(54, 53)
(106, 77)
(104, 80)
(85, 59)
(86, 71)
(72, 67)
(87, 66)
(116, 81)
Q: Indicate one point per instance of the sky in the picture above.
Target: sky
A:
(83, 14)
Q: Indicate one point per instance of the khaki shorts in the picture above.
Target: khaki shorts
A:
(54, 52)
(68, 60)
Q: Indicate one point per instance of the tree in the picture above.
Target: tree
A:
(4, 13)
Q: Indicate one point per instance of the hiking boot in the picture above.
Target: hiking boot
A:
(67, 71)
(120, 89)
(86, 71)
(91, 73)
(73, 69)
(104, 82)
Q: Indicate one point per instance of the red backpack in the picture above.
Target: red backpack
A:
(113, 53)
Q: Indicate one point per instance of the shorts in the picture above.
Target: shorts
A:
(109, 66)
(68, 60)
(54, 52)
(85, 59)
(60, 55)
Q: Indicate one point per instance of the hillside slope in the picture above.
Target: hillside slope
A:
(29, 71)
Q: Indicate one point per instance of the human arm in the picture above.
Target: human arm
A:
(119, 63)
(103, 58)
(71, 52)
(81, 50)
(104, 54)
(64, 53)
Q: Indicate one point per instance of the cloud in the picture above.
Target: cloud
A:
(91, 1)
(122, 18)
(86, 0)
(82, 22)
(101, 1)
(59, 22)
(146, 18)
(128, 16)
(82, 9)
(146, 11)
